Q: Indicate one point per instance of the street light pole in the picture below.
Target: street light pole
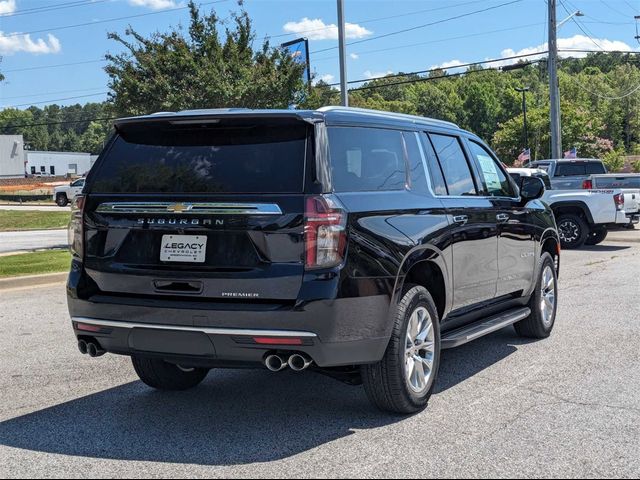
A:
(344, 94)
(554, 90)
(524, 91)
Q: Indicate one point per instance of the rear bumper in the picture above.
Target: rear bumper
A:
(335, 332)
(623, 218)
(208, 347)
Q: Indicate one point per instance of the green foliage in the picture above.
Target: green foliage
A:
(614, 160)
(210, 65)
(66, 130)
(636, 166)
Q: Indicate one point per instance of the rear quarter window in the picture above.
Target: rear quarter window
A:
(367, 159)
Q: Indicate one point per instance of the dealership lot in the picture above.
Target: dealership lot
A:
(566, 406)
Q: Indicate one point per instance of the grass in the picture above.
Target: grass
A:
(13, 220)
(50, 261)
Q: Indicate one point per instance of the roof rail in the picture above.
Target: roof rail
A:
(404, 116)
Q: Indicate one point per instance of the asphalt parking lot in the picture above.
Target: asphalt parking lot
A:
(568, 406)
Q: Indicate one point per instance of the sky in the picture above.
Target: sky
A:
(46, 58)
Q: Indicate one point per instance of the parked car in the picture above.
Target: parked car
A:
(64, 194)
(614, 180)
(569, 174)
(585, 216)
(355, 243)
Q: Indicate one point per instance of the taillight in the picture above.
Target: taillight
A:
(587, 184)
(619, 199)
(324, 232)
(76, 227)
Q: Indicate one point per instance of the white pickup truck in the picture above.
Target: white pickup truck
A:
(64, 194)
(584, 216)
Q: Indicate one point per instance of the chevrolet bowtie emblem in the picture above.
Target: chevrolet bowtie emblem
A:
(178, 208)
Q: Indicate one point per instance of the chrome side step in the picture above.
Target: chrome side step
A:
(483, 327)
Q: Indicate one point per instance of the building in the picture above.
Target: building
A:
(58, 163)
(12, 156)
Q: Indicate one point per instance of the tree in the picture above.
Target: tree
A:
(199, 69)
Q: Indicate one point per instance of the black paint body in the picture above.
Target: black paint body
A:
(479, 267)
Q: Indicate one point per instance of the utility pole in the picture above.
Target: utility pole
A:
(344, 94)
(524, 91)
(554, 90)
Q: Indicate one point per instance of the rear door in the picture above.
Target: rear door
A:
(211, 210)
(474, 230)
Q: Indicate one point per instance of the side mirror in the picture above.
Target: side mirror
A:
(531, 188)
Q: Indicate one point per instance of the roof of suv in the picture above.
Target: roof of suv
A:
(568, 160)
(328, 114)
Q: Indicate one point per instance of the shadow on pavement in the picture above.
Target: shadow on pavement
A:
(234, 417)
(604, 248)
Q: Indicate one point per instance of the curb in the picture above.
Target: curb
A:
(10, 283)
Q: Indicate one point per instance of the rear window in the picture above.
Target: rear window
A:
(205, 159)
(367, 159)
(579, 168)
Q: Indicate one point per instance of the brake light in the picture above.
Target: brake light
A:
(277, 341)
(619, 200)
(587, 184)
(324, 232)
(76, 227)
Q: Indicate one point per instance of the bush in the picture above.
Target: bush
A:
(614, 160)
(636, 166)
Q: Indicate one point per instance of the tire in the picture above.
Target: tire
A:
(542, 319)
(62, 200)
(389, 383)
(596, 236)
(161, 375)
(573, 231)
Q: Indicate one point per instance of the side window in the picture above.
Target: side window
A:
(495, 180)
(435, 171)
(454, 164)
(78, 183)
(367, 159)
(417, 169)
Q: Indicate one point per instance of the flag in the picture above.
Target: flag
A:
(524, 157)
(573, 153)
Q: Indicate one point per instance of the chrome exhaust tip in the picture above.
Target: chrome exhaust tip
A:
(298, 362)
(275, 363)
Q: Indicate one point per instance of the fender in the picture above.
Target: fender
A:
(419, 254)
(574, 204)
(549, 233)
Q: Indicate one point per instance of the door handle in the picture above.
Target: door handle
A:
(461, 219)
(502, 217)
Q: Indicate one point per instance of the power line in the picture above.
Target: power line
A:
(459, 37)
(52, 93)
(55, 100)
(362, 22)
(583, 29)
(50, 8)
(54, 66)
(606, 97)
(427, 79)
(465, 65)
(417, 27)
(85, 24)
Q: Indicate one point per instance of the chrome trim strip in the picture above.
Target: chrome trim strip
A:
(209, 331)
(191, 208)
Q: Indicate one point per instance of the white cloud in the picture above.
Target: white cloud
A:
(371, 75)
(316, 29)
(449, 64)
(577, 42)
(354, 56)
(7, 6)
(154, 4)
(13, 43)
(326, 78)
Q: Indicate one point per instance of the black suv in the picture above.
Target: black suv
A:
(355, 243)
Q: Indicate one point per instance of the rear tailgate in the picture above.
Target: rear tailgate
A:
(208, 211)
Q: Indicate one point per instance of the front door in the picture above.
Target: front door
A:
(516, 231)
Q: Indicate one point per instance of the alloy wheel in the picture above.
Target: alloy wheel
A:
(419, 350)
(547, 295)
